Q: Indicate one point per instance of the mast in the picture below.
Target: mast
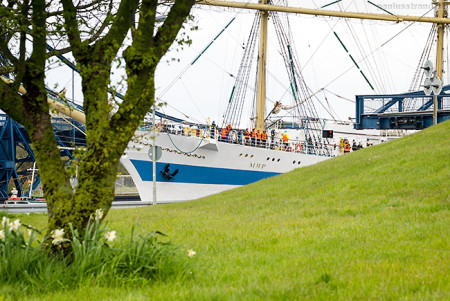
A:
(323, 12)
(441, 19)
(441, 13)
(262, 61)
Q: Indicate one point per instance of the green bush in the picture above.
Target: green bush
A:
(95, 258)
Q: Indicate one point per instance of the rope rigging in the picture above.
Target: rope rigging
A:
(236, 101)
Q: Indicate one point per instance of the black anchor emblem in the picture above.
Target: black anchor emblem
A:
(166, 172)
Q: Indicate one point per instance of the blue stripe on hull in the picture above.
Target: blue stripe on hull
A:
(200, 174)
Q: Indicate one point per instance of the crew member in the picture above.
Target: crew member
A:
(354, 146)
(224, 135)
(264, 138)
(258, 137)
(253, 134)
(347, 147)
(212, 129)
(229, 128)
(285, 139)
(246, 136)
(272, 140)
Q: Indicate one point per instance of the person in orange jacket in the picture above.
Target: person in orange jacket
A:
(246, 136)
(228, 131)
(253, 135)
(258, 137)
(264, 138)
(224, 135)
(347, 147)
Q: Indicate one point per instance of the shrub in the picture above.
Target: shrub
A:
(96, 257)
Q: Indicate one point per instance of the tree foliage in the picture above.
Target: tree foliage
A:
(95, 32)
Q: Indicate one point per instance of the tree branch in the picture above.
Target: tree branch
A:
(168, 31)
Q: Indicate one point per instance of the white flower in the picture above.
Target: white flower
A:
(110, 235)
(99, 213)
(15, 225)
(191, 253)
(5, 221)
(57, 236)
(2, 234)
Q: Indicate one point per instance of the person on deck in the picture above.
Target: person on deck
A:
(228, 131)
(285, 139)
(258, 138)
(212, 129)
(224, 135)
(253, 135)
(247, 136)
(272, 139)
(346, 147)
(264, 139)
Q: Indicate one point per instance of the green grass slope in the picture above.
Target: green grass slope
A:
(373, 224)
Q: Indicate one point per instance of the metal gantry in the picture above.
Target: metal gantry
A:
(391, 111)
(13, 163)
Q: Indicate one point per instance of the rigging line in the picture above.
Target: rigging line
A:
(285, 43)
(329, 106)
(193, 62)
(324, 39)
(353, 60)
(379, 60)
(192, 99)
(381, 8)
(182, 113)
(362, 52)
(347, 99)
(382, 45)
(320, 102)
(173, 143)
(344, 98)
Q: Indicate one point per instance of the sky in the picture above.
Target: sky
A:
(202, 90)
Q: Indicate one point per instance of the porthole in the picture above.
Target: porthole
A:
(293, 162)
(240, 155)
(268, 158)
(299, 162)
(246, 155)
(251, 156)
(273, 159)
(278, 160)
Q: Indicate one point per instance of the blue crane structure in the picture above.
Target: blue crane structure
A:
(412, 110)
(69, 134)
(16, 153)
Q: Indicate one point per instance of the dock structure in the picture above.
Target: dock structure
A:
(412, 110)
(13, 137)
(16, 154)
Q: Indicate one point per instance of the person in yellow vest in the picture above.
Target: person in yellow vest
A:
(285, 139)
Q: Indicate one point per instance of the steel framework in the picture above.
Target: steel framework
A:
(412, 110)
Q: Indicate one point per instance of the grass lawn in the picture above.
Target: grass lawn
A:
(373, 224)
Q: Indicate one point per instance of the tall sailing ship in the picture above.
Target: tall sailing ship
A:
(184, 161)
(180, 160)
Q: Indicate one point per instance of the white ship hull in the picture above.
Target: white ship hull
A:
(205, 166)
